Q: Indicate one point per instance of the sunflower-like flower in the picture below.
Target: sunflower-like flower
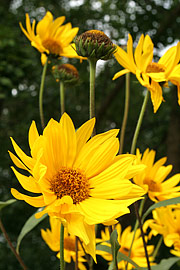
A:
(125, 238)
(52, 239)
(149, 73)
(152, 179)
(166, 221)
(81, 181)
(51, 37)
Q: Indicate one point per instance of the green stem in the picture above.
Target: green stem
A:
(157, 247)
(62, 248)
(92, 65)
(62, 98)
(138, 126)
(41, 94)
(126, 109)
(135, 227)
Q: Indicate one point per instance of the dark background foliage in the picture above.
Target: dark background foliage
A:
(20, 74)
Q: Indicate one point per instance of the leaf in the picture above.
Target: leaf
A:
(104, 248)
(114, 246)
(123, 257)
(165, 264)
(160, 204)
(28, 226)
(4, 204)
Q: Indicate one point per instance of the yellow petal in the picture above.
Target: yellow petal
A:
(27, 183)
(120, 73)
(34, 201)
(84, 133)
(33, 134)
(28, 161)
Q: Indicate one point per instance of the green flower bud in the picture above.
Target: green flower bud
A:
(66, 73)
(94, 44)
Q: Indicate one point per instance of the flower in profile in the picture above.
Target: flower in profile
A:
(153, 178)
(166, 221)
(51, 37)
(52, 239)
(125, 238)
(77, 179)
(66, 73)
(94, 44)
(150, 74)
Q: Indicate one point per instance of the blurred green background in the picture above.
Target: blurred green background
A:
(20, 74)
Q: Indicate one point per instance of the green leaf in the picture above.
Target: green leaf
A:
(28, 226)
(114, 245)
(123, 257)
(160, 204)
(104, 248)
(165, 264)
(4, 204)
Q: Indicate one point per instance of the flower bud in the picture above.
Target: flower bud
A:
(66, 73)
(94, 44)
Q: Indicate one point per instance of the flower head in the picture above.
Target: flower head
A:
(152, 179)
(52, 239)
(150, 74)
(51, 37)
(94, 44)
(166, 221)
(125, 238)
(81, 181)
(66, 73)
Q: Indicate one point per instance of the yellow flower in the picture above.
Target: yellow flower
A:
(152, 179)
(166, 221)
(52, 239)
(125, 239)
(51, 37)
(81, 181)
(148, 72)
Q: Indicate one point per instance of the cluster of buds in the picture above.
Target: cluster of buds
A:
(94, 44)
(66, 73)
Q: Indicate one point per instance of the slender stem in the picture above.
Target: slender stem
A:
(11, 246)
(135, 228)
(62, 248)
(41, 94)
(157, 247)
(92, 65)
(62, 97)
(76, 249)
(142, 235)
(126, 109)
(138, 126)
(133, 147)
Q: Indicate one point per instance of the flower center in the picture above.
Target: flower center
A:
(69, 244)
(71, 182)
(153, 186)
(52, 46)
(155, 68)
(125, 251)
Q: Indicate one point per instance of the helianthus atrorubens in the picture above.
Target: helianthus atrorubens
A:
(52, 239)
(51, 37)
(153, 178)
(82, 182)
(148, 72)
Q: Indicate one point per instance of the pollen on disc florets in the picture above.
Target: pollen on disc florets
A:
(94, 44)
(70, 182)
(52, 46)
(66, 73)
(155, 68)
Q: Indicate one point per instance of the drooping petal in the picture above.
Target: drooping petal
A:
(34, 201)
